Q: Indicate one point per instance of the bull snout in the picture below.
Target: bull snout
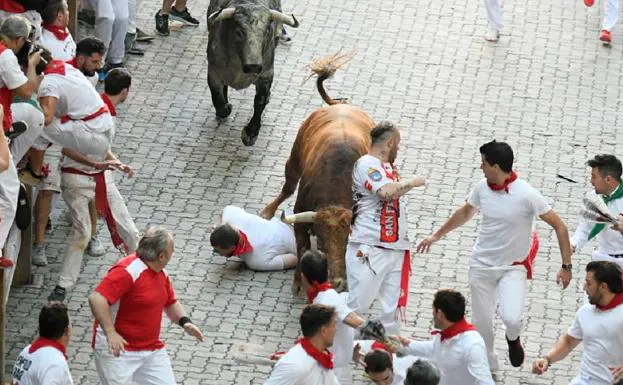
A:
(252, 68)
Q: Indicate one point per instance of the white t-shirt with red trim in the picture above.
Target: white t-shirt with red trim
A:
(343, 343)
(45, 366)
(63, 50)
(377, 222)
(75, 96)
(601, 333)
(137, 296)
(507, 221)
(297, 367)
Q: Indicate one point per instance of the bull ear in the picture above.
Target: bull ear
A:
(285, 19)
(221, 14)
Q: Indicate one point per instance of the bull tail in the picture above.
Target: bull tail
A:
(325, 68)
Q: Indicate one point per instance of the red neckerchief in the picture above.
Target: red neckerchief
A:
(316, 288)
(455, 329)
(56, 67)
(504, 186)
(58, 31)
(376, 345)
(529, 261)
(243, 246)
(73, 62)
(405, 273)
(614, 302)
(109, 103)
(42, 342)
(325, 359)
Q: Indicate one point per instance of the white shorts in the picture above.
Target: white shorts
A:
(53, 180)
(141, 368)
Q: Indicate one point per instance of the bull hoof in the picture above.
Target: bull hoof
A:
(247, 139)
(339, 284)
(224, 112)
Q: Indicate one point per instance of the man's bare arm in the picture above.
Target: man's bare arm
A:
(397, 189)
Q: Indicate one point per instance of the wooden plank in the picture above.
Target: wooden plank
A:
(73, 6)
(22, 275)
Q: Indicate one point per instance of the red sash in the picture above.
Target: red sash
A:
(101, 204)
(614, 302)
(243, 246)
(6, 97)
(455, 329)
(42, 342)
(504, 186)
(529, 261)
(101, 111)
(316, 288)
(405, 273)
(109, 104)
(325, 359)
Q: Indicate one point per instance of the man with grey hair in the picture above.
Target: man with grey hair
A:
(16, 36)
(422, 372)
(128, 305)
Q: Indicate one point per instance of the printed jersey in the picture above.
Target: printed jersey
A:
(377, 222)
(63, 50)
(45, 366)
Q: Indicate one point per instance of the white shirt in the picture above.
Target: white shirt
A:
(268, 238)
(377, 222)
(343, 343)
(602, 335)
(296, 367)
(507, 221)
(63, 50)
(461, 359)
(11, 75)
(45, 366)
(610, 241)
(400, 365)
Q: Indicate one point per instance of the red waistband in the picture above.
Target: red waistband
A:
(104, 109)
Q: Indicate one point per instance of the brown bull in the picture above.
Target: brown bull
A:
(321, 161)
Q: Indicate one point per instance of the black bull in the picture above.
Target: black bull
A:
(242, 38)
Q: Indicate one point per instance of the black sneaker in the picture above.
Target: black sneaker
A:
(515, 352)
(183, 16)
(162, 24)
(57, 295)
(17, 129)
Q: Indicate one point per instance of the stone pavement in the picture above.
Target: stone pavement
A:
(548, 88)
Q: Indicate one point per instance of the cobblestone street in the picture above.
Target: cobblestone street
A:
(549, 88)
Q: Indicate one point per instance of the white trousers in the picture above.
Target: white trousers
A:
(494, 14)
(375, 275)
(131, 16)
(92, 138)
(344, 374)
(140, 368)
(78, 191)
(33, 117)
(111, 25)
(488, 286)
(611, 14)
(9, 191)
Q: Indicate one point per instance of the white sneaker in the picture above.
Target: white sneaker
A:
(492, 35)
(95, 247)
(39, 258)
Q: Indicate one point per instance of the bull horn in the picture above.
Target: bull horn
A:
(285, 19)
(304, 217)
(221, 14)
